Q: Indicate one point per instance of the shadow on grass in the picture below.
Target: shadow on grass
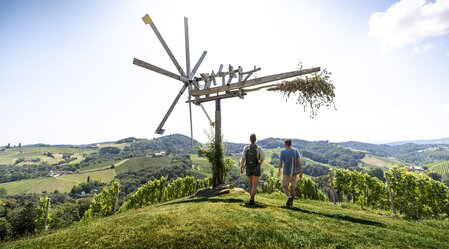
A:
(256, 205)
(339, 217)
(205, 199)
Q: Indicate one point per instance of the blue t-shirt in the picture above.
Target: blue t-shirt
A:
(286, 157)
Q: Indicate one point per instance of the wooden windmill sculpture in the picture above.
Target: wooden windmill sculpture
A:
(200, 88)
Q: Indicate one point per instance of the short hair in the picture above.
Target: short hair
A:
(252, 138)
(288, 142)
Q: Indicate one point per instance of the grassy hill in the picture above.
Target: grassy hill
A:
(227, 222)
(61, 183)
(10, 156)
(439, 167)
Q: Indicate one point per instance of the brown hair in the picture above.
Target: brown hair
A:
(252, 138)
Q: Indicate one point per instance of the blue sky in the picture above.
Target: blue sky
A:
(66, 72)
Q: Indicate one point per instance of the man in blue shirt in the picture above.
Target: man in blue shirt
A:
(292, 167)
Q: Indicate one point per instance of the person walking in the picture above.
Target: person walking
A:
(252, 159)
(292, 167)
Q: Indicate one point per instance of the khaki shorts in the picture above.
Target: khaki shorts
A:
(289, 179)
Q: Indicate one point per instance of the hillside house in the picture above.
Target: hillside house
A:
(160, 154)
(58, 173)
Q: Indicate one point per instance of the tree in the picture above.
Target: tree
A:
(5, 229)
(8, 146)
(214, 152)
(2, 192)
(20, 145)
(22, 221)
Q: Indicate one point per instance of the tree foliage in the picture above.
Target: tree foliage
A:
(214, 152)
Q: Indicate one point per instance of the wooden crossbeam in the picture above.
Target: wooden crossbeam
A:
(254, 82)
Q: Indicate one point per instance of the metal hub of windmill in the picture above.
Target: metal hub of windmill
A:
(200, 87)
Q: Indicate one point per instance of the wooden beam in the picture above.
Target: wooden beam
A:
(158, 70)
(254, 82)
(147, 20)
(223, 96)
(197, 65)
(159, 129)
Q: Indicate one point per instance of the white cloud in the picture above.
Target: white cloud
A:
(421, 49)
(445, 108)
(410, 21)
(447, 53)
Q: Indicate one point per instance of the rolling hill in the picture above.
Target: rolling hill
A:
(228, 222)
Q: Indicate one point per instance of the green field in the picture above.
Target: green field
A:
(441, 168)
(61, 183)
(100, 166)
(9, 156)
(228, 222)
(138, 163)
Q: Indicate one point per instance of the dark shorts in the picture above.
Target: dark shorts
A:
(253, 171)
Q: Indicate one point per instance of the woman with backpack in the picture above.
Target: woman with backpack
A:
(252, 159)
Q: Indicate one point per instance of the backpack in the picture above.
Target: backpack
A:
(252, 159)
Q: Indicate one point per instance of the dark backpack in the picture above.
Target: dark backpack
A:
(251, 156)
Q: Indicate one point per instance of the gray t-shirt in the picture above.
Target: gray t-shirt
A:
(286, 157)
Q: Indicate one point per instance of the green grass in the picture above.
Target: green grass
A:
(61, 183)
(138, 163)
(227, 222)
(441, 168)
(105, 176)
(38, 185)
(100, 166)
(10, 155)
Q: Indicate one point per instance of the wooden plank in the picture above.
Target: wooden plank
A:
(164, 44)
(186, 32)
(159, 129)
(197, 65)
(223, 96)
(207, 115)
(159, 70)
(254, 82)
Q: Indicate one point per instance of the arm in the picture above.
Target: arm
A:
(300, 168)
(281, 158)
(243, 160)
(261, 156)
(242, 163)
(280, 167)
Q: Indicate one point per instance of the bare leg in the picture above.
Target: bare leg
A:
(285, 182)
(254, 180)
(250, 182)
(293, 186)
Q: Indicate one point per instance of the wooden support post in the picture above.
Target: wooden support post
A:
(387, 177)
(46, 214)
(218, 174)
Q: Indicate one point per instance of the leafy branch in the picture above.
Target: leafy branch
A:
(312, 91)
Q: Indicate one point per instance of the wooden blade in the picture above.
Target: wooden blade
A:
(159, 129)
(158, 70)
(147, 20)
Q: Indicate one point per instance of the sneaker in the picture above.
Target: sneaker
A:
(252, 203)
(289, 201)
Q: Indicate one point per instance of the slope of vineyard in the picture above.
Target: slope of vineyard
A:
(441, 168)
(228, 222)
